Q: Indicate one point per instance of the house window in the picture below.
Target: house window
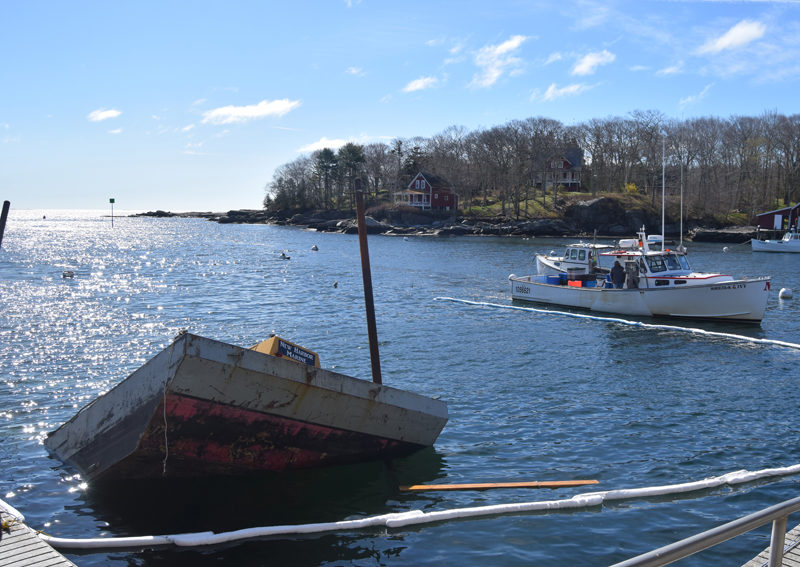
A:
(436, 195)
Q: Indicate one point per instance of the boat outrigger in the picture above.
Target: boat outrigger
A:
(657, 281)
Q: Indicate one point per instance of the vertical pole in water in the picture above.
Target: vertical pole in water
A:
(112, 211)
(372, 330)
(3, 217)
(663, 185)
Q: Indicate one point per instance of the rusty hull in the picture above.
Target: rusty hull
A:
(206, 408)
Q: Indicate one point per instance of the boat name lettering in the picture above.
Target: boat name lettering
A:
(295, 353)
(522, 289)
(729, 286)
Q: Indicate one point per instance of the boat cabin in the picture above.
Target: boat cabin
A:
(646, 268)
(578, 258)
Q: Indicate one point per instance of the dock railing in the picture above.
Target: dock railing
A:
(777, 514)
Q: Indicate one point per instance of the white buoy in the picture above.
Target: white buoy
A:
(724, 249)
(314, 248)
(785, 293)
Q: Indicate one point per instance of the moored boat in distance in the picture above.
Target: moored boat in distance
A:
(789, 243)
(202, 407)
(652, 281)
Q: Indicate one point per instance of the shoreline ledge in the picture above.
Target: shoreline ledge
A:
(342, 222)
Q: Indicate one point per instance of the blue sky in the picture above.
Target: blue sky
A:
(190, 106)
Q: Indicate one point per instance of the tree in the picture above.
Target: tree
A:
(325, 169)
(351, 165)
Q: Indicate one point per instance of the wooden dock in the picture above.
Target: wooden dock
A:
(791, 557)
(21, 547)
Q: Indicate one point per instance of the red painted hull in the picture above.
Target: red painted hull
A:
(206, 408)
(210, 439)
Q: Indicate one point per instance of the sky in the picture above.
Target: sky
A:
(191, 106)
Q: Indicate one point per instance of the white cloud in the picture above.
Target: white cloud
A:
(692, 99)
(102, 114)
(231, 114)
(554, 92)
(355, 71)
(588, 64)
(671, 70)
(553, 58)
(494, 60)
(323, 143)
(421, 84)
(194, 149)
(116, 131)
(739, 35)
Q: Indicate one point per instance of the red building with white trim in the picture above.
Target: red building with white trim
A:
(428, 191)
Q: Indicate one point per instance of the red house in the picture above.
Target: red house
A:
(561, 170)
(428, 191)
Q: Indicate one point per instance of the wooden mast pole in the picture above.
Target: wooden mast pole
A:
(372, 330)
(3, 217)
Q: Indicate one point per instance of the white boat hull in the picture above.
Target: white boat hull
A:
(775, 245)
(734, 300)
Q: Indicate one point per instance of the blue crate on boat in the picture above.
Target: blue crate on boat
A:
(553, 280)
(590, 283)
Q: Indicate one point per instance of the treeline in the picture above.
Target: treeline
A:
(739, 165)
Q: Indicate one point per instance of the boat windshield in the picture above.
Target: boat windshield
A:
(656, 264)
(667, 262)
(575, 254)
(672, 262)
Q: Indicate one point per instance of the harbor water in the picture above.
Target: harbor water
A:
(533, 395)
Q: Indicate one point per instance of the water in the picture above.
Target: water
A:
(531, 396)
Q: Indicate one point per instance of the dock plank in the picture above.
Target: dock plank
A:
(791, 557)
(21, 547)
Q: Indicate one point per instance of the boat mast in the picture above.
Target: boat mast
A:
(366, 275)
(680, 246)
(663, 166)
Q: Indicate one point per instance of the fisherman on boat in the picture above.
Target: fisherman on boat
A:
(618, 275)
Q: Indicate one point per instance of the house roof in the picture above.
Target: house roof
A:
(434, 180)
(574, 156)
(783, 210)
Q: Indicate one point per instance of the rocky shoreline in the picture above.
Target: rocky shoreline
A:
(581, 220)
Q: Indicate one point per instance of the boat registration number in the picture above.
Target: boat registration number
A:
(728, 286)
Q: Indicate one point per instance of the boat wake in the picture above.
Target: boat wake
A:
(676, 328)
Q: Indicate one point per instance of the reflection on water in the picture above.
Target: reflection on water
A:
(531, 395)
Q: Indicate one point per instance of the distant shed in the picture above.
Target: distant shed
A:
(779, 219)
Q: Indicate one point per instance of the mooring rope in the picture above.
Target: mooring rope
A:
(416, 517)
(676, 328)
